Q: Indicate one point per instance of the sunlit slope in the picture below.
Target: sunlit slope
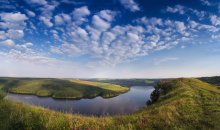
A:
(107, 86)
(58, 88)
(187, 104)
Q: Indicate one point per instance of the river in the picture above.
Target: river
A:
(125, 103)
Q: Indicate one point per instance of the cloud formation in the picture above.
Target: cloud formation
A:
(130, 4)
(8, 42)
(46, 32)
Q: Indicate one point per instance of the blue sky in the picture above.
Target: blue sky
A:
(109, 38)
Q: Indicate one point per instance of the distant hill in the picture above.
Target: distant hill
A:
(212, 80)
(129, 82)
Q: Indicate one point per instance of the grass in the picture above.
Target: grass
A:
(58, 88)
(180, 104)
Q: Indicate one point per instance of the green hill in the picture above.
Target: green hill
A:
(212, 80)
(187, 104)
(58, 88)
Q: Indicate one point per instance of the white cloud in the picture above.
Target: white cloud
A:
(182, 10)
(80, 33)
(47, 9)
(25, 53)
(62, 18)
(193, 24)
(119, 44)
(30, 56)
(66, 17)
(150, 21)
(176, 9)
(215, 36)
(39, 2)
(210, 28)
(215, 20)
(59, 20)
(107, 15)
(15, 34)
(13, 17)
(2, 35)
(154, 38)
(94, 33)
(80, 14)
(13, 21)
(55, 50)
(206, 2)
(8, 42)
(111, 45)
(70, 48)
(132, 36)
(130, 4)
(200, 14)
(99, 23)
(31, 13)
(12, 25)
(46, 21)
(180, 26)
(25, 47)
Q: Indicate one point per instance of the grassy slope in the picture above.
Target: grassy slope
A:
(58, 88)
(183, 104)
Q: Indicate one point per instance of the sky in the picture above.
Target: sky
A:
(109, 38)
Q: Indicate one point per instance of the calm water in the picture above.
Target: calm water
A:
(125, 103)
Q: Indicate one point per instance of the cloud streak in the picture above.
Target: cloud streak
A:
(164, 60)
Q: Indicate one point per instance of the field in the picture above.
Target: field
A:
(188, 104)
(58, 88)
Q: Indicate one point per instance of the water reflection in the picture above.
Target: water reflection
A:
(122, 104)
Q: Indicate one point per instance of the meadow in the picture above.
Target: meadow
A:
(185, 103)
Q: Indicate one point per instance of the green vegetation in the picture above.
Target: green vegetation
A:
(2, 94)
(58, 88)
(187, 104)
